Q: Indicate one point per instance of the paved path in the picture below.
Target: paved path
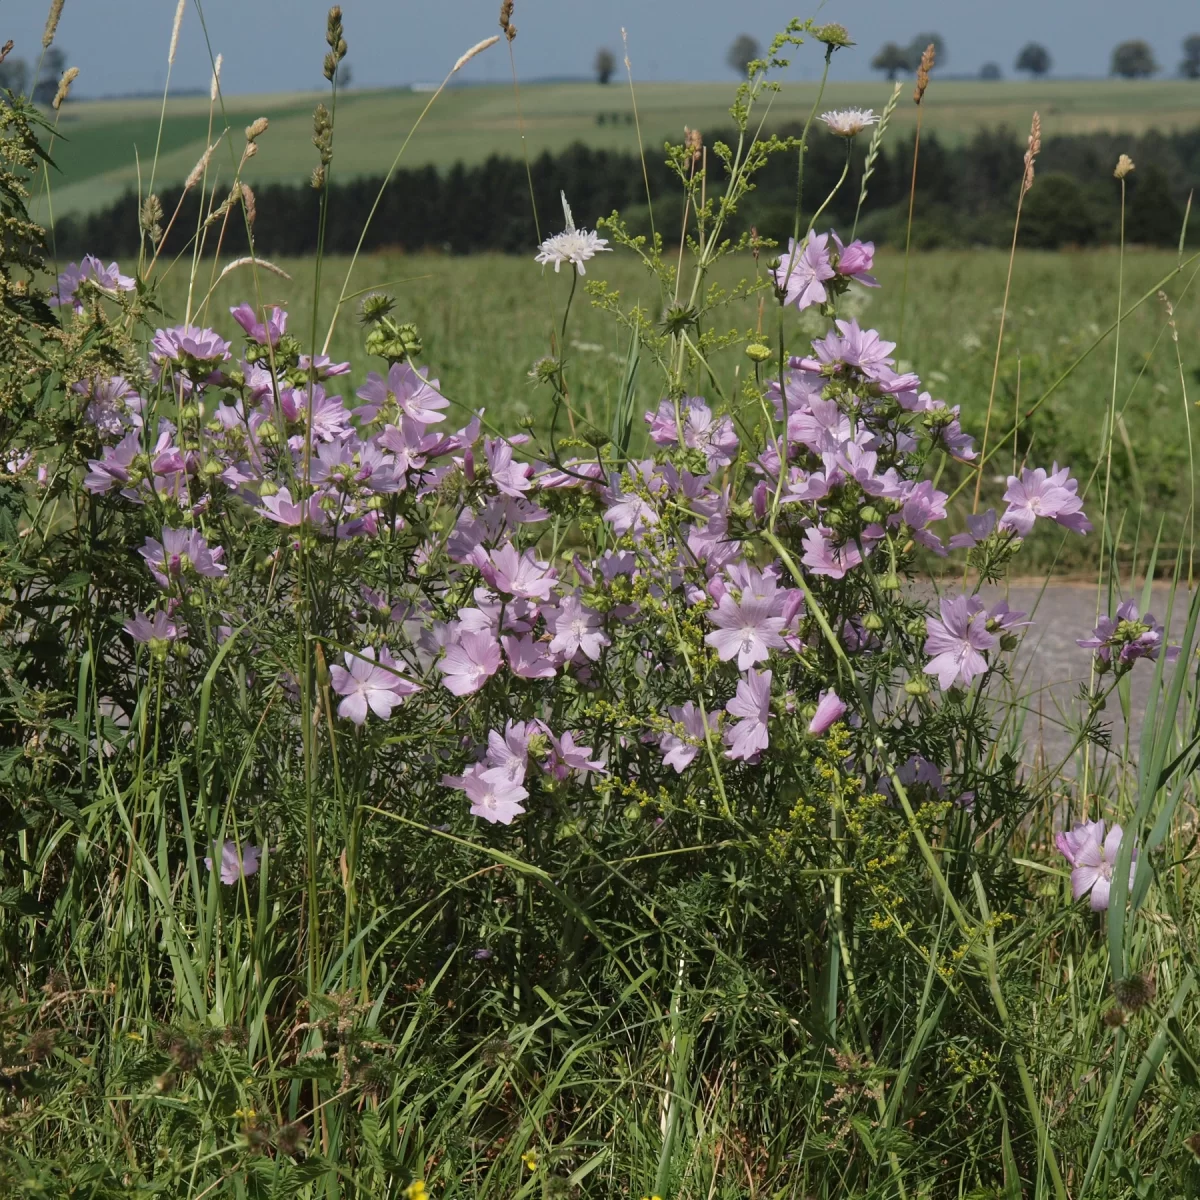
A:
(1049, 668)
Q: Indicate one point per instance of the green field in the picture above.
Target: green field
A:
(485, 320)
(107, 140)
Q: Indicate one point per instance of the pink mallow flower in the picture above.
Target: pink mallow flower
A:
(470, 661)
(957, 642)
(747, 738)
(366, 683)
(747, 629)
(830, 708)
(151, 630)
(681, 744)
(266, 333)
(855, 260)
(567, 756)
(236, 862)
(802, 272)
(495, 795)
(1092, 857)
(576, 629)
(1037, 494)
(180, 554)
(416, 397)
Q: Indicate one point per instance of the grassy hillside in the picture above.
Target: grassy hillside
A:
(104, 141)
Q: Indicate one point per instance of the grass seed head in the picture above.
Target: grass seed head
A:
(64, 86)
(1124, 167)
(52, 20)
(174, 31)
(1032, 150)
(214, 86)
(256, 129)
(506, 11)
(927, 60)
(6, 50)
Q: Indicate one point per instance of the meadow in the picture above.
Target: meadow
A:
(105, 143)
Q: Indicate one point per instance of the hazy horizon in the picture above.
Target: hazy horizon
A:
(397, 44)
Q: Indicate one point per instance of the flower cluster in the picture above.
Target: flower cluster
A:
(501, 630)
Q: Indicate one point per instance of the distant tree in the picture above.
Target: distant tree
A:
(344, 74)
(891, 60)
(54, 62)
(991, 71)
(605, 65)
(14, 75)
(1035, 59)
(1190, 67)
(742, 52)
(917, 47)
(1155, 217)
(1133, 60)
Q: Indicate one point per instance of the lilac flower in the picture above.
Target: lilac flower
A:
(528, 659)
(830, 708)
(408, 389)
(980, 527)
(1130, 635)
(629, 513)
(567, 756)
(469, 662)
(577, 629)
(367, 684)
(115, 466)
(855, 347)
(109, 278)
(114, 405)
(322, 366)
(714, 437)
(519, 574)
(681, 744)
(511, 478)
(823, 556)
(747, 628)
(1092, 856)
(923, 505)
(509, 751)
(956, 643)
(189, 343)
(148, 630)
(802, 273)
(1037, 494)
(329, 417)
(495, 796)
(855, 260)
(265, 333)
(281, 508)
(747, 738)
(180, 554)
(236, 862)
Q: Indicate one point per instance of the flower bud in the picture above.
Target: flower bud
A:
(917, 687)
(322, 667)
(1009, 641)
(873, 621)
(757, 352)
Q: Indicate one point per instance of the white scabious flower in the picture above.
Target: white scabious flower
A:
(846, 122)
(573, 245)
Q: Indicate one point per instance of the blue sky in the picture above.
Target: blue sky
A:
(276, 45)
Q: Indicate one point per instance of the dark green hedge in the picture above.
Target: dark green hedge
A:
(966, 196)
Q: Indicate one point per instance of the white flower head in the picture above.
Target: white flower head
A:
(573, 245)
(846, 122)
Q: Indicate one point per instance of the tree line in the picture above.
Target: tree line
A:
(966, 196)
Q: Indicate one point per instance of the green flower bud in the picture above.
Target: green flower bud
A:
(1009, 641)
(870, 514)
(890, 582)
(873, 621)
(757, 352)
(917, 687)
(633, 812)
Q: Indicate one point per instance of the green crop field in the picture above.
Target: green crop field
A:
(482, 333)
(106, 144)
